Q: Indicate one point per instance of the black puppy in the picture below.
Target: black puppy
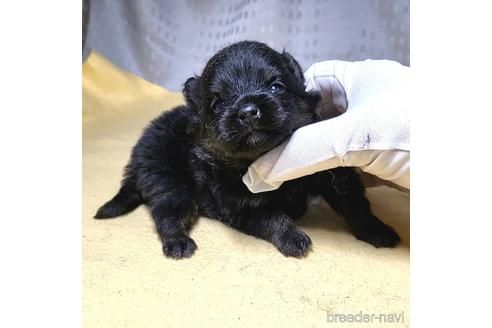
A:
(190, 160)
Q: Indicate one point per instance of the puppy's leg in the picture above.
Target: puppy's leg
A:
(342, 189)
(275, 227)
(173, 211)
(173, 216)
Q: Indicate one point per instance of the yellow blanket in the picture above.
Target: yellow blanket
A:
(233, 280)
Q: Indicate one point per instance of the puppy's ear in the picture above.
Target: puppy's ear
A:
(190, 92)
(293, 66)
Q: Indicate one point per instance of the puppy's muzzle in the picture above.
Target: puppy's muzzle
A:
(249, 115)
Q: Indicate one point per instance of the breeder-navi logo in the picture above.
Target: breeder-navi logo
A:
(362, 317)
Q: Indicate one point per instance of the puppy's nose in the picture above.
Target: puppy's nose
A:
(248, 112)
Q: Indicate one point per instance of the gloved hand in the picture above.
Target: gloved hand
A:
(366, 104)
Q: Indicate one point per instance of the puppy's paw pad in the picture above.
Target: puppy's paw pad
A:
(294, 242)
(379, 235)
(179, 247)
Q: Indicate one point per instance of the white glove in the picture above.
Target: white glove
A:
(367, 103)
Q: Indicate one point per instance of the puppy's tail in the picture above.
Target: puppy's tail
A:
(126, 200)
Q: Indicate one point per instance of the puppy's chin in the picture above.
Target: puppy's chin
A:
(250, 145)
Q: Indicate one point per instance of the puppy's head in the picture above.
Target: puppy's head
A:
(249, 99)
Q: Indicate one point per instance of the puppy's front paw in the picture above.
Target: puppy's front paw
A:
(293, 242)
(178, 247)
(378, 234)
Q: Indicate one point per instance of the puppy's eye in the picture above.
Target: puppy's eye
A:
(216, 104)
(277, 87)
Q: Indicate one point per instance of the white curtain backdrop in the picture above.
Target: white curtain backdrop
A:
(166, 42)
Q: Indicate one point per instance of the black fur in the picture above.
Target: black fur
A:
(190, 160)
